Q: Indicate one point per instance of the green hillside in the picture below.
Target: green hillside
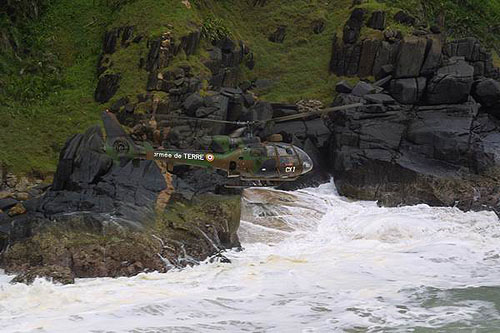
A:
(47, 82)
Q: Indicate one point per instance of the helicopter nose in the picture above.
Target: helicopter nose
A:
(307, 165)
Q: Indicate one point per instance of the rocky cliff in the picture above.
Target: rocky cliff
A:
(429, 130)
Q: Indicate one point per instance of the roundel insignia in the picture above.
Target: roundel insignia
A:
(209, 157)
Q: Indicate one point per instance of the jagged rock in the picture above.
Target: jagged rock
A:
(385, 60)
(377, 20)
(192, 103)
(404, 18)
(18, 209)
(368, 54)
(487, 92)
(345, 58)
(431, 154)
(106, 87)
(380, 99)
(410, 57)
(116, 106)
(190, 42)
(408, 91)
(353, 26)
(363, 88)
(55, 273)
(278, 36)
(343, 87)
(452, 83)
(434, 57)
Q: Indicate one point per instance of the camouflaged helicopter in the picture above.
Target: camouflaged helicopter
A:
(246, 158)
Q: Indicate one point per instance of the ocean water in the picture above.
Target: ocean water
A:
(313, 262)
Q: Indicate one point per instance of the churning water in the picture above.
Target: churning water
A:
(313, 262)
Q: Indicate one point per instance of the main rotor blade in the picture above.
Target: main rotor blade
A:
(170, 117)
(327, 110)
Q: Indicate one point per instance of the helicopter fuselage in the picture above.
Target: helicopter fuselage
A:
(258, 161)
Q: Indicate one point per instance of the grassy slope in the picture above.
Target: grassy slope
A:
(39, 112)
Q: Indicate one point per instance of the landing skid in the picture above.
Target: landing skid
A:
(245, 183)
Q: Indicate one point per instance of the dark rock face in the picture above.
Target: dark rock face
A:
(408, 91)
(106, 87)
(442, 154)
(404, 18)
(402, 155)
(87, 180)
(452, 83)
(100, 218)
(475, 54)
(410, 58)
(487, 92)
(353, 26)
(377, 20)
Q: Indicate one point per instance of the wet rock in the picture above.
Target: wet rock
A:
(55, 273)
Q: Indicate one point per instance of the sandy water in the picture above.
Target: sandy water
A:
(313, 262)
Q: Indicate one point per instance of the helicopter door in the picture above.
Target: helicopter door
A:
(287, 161)
(268, 163)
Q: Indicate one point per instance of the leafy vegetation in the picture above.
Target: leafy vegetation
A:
(214, 29)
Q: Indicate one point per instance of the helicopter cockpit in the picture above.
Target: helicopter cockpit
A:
(285, 161)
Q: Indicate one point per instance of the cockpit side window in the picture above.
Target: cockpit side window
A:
(271, 151)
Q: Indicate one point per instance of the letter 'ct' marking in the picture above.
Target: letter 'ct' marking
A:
(209, 157)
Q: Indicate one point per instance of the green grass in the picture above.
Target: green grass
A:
(462, 18)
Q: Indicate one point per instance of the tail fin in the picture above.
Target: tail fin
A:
(118, 143)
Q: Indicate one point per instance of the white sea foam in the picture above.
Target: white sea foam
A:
(313, 262)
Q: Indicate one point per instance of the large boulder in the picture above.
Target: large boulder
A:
(410, 58)
(487, 92)
(452, 83)
(408, 91)
(439, 155)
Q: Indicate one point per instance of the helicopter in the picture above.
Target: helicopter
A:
(244, 157)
